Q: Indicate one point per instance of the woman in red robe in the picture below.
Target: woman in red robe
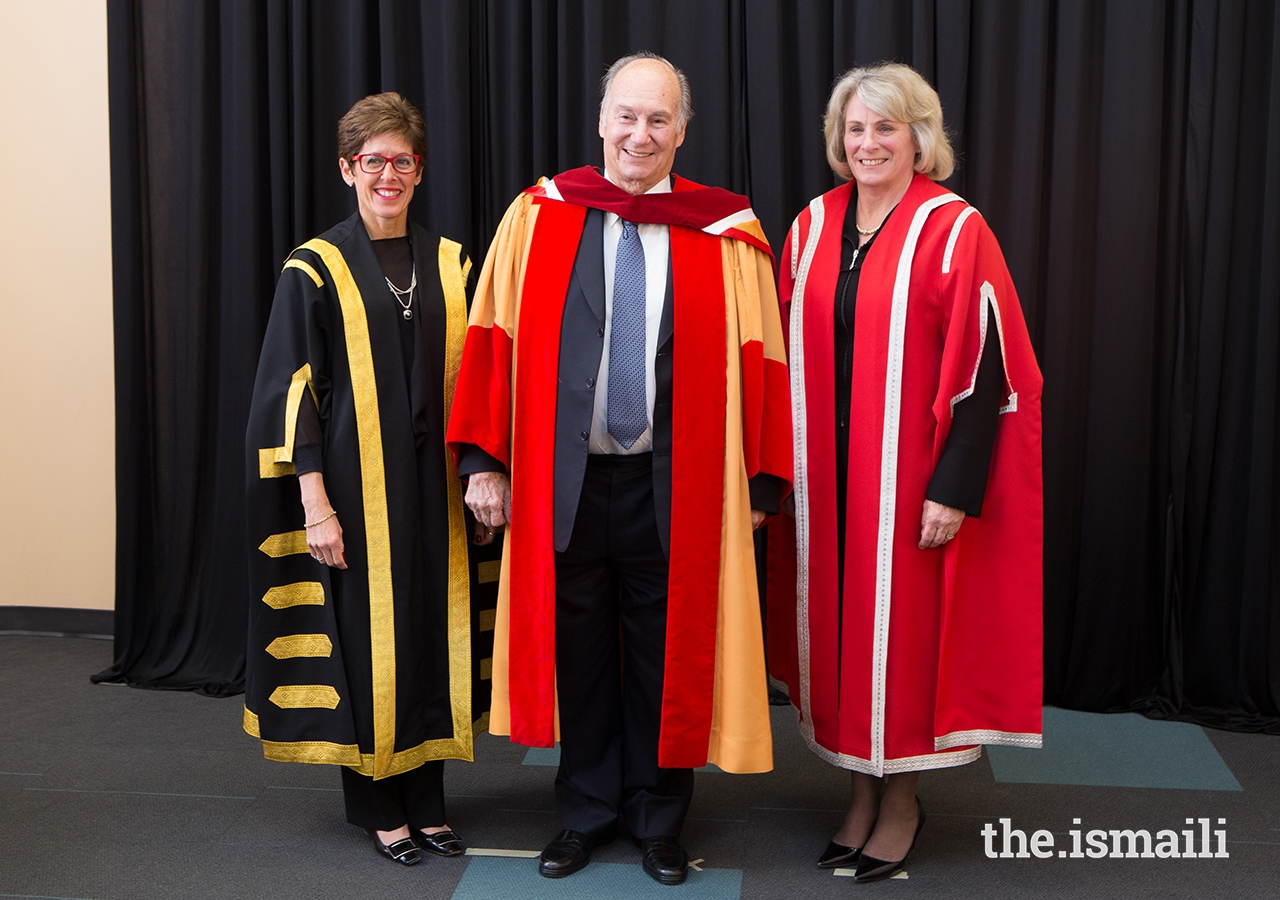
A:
(905, 609)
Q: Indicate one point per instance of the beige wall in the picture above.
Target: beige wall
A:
(57, 450)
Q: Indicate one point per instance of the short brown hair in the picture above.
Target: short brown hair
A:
(381, 114)
(900, 94)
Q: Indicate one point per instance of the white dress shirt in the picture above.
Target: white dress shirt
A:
(656, 240)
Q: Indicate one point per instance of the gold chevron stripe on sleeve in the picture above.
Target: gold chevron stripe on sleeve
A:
(486, 669)
(489, 571)
(305, 267)
(299, 593)
(286, 543)
(251, 723)
(305, 696)
(488, 618)
(292, 646)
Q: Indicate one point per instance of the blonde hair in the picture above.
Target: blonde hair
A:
(900, 94)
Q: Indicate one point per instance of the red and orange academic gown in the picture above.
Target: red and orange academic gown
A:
(729, 422)
(930, 653)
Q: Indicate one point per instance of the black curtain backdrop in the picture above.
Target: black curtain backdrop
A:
(1126, 153)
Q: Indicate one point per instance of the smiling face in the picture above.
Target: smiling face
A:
(383, 198)
(881, 153)
(639, 121)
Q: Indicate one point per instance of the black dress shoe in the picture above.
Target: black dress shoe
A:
(664, 860)
(441, 843)
(403, 851)
(569, 852)
(838, 856)
(872, 869)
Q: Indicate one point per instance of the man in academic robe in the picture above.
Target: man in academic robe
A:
(622, 408)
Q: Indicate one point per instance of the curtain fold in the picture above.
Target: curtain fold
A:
(1125, 154)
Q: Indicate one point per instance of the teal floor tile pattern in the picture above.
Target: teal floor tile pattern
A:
(542, 756)
(550, 756)
(1116, 750)
(488, 877)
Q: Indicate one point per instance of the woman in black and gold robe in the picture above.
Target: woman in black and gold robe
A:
(360, 631)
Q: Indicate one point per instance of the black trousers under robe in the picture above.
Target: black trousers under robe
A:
(611, 621)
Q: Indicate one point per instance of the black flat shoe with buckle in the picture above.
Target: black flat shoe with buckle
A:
(441, 843)
(403, 851)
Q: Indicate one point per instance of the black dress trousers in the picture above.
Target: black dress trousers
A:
(611, 621)
(414, 798)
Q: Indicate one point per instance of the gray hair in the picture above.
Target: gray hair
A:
(686, 96)
(900, 94)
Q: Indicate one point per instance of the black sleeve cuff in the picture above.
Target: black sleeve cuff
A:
(960, 480)
(766, 493)
(472, 459)
(308, 458)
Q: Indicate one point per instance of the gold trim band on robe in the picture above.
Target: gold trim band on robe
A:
(303, 265)
(305, 696)
(453, 282)
(286, 543)
(293, 646)
(373, 484)
(299, 593)
(276, 462)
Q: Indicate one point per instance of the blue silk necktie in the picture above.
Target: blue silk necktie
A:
(628, 405)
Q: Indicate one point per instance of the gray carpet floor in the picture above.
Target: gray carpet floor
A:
(109, 793)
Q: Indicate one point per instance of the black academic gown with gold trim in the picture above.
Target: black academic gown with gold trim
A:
(372, 666)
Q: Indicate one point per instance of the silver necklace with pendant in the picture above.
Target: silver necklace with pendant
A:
(407, 292)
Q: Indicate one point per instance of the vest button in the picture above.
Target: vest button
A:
(584, 435)
(599, 332)
(591, 382)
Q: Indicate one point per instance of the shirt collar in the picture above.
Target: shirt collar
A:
(662, 187)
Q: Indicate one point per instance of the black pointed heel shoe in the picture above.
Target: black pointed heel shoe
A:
(872, 869)
(838, 856)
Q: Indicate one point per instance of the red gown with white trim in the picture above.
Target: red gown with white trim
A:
(923, 654)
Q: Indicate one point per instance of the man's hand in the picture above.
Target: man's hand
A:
(489, 498)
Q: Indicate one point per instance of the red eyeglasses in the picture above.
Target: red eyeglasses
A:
(373, 163)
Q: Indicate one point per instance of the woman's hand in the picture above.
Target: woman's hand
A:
(489, 497)
(325, 542)
(938, 524)
(324, 538)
